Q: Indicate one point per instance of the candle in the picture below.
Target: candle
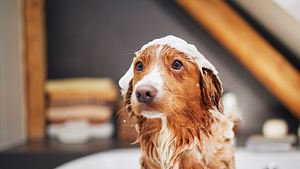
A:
(275, 128)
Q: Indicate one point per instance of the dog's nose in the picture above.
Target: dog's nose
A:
(145, 93)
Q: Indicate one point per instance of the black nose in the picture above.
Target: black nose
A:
(145, 93)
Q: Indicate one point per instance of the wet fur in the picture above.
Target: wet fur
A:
(193, 133)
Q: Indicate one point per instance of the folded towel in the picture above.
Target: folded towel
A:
(78, 101)
(81, 88)
(261, 143)
(87, 112)
(79, 131)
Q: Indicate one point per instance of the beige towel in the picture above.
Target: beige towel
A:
(81, 88)
(86, 112)
(77, 101)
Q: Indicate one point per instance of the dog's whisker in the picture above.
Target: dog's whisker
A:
(120, 111)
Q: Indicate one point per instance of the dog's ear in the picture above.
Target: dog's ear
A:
(127, 98)
(126, 86)
(126, 79)
(211, 90)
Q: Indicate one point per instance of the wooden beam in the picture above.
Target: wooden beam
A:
(252, 50)
(34, 33)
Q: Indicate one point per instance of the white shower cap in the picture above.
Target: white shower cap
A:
(179, 44)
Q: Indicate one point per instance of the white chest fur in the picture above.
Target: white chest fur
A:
(164, 144)
(166, 147)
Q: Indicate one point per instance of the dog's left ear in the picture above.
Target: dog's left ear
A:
(211, 90)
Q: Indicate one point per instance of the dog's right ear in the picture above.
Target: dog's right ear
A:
(126, 79)
(127, 98)
(126, 86)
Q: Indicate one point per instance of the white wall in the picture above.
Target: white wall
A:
(277, 20)
(12, 89)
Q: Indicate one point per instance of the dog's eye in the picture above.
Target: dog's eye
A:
(177, 65)
(139, 66)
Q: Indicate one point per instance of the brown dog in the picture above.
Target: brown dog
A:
(175, 93)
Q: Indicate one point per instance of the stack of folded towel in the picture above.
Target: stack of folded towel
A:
(80, 108)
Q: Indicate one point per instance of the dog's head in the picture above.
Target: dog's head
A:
(168, 74)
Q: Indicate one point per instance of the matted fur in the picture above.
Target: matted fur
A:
(192, 133)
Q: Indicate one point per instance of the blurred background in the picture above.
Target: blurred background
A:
(60, 61)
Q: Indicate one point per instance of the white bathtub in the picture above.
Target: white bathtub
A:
(129, 159)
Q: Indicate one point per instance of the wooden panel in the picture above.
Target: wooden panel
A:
(254, 52)
(35, 67)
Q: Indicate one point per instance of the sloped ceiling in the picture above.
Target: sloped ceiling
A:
(251, 49)
(280, 17)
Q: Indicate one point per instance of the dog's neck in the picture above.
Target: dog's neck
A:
(164, 144)
(164, 139)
